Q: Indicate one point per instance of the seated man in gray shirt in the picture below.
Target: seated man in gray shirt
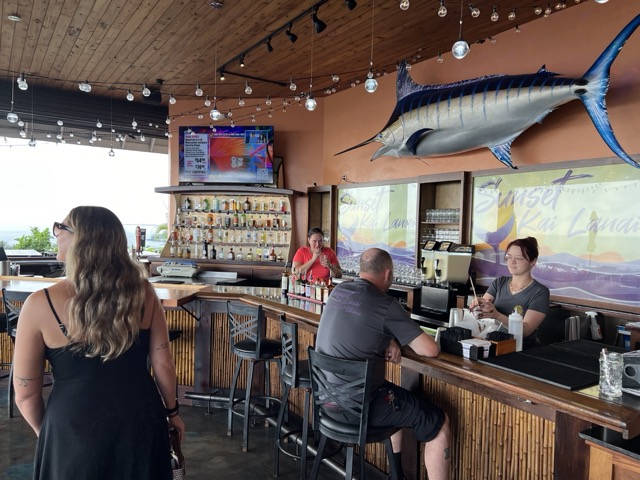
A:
(361, 321)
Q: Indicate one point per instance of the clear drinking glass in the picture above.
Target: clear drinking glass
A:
(611, 365)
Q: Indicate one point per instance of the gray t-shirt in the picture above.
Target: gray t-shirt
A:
(534, 297)
(359, 321)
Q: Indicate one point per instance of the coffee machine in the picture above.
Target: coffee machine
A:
(445, 267)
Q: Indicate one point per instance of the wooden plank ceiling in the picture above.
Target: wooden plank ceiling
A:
(117, 45)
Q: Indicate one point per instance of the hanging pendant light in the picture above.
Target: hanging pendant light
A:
(310, 103)
(371, 84)
(460, 49)
(12, 117)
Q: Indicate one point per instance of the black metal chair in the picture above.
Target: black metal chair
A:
(294, 374)
(12, 304)
(351, 398)
(248, 344)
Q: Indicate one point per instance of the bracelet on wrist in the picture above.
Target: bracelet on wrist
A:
(172, 412)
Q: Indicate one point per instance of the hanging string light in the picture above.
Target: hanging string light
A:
(12, 117)
(215, 114)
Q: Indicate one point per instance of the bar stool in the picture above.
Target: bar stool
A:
(295, 374)
(247, 343)
(12, 304)
(351, 398)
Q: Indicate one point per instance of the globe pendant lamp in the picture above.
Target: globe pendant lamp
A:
(371, 84)
(460, 49)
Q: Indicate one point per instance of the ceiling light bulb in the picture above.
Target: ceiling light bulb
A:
(247, 89)
(268, 101)
(71, 134)
(78, 142)
(310, 103)
(492, 40)
(440, 59)
(242, 64)
(404, 5)
(142, 137)
(145, 90)
(12, 117)
(99, 124)
(258, 108)
(292, 86)
(229, 114)
(537, 10)
(494, 15)
(172, 99)
(167, 121)
(442, 11)
(112, 153)
(134, 124)
(129, 95)
(253, 119)
(59, 136)
(475, 11)
(547, 11)
(215, 114)
(199, 91)
(517, 28)
(371, 84)
(207, 102)
(85, 86)
(602, 1)
(23, 134)
(460, 49)
(32, 142)
(241, 102)
(222, 77)
(335, 78)
(512, 15)
(22, 82)
(48, 134)
(20, 123)
(60, 123)
(93, 136)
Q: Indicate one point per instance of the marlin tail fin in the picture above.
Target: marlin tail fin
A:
(597, 79)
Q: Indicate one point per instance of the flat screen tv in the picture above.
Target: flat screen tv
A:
(226, 154)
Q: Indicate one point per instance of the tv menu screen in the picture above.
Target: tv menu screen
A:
(226, 154)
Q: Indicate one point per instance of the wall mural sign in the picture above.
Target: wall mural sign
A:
(586, 222)
(381, 216)
(492, 111)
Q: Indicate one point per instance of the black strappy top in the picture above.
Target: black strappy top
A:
(63, 329)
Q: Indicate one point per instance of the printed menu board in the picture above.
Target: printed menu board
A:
(382, 216)
(586, 222)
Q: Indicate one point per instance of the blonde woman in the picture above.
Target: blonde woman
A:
(106, 416)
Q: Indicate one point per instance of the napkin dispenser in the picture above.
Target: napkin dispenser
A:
(172, 269)
(631, 370)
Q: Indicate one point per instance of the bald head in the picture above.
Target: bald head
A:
(376, 266)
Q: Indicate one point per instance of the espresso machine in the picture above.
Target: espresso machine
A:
(445, 267)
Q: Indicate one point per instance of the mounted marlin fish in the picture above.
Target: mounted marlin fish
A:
(492, 111)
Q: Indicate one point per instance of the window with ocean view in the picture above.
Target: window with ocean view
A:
(42, 183)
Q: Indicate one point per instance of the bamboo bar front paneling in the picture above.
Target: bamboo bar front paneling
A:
(491, 440)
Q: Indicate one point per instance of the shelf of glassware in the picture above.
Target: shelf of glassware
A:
(440, 224)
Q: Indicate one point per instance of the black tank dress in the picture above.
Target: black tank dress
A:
(103, 420)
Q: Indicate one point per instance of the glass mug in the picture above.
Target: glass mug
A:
(611, 365)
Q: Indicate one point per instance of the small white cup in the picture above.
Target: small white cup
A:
(455, 316)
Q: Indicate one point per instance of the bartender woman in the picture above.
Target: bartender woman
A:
(518, 289)
(321, 262)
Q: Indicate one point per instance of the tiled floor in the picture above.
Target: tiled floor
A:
(209, 453)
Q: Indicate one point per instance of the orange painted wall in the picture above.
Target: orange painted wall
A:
(568, 42)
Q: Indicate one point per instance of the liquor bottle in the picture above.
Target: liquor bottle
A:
(212, 252)
(172, 248)
(232, 204)
(247, 205)
(231, 255)
(215, 205)
(284, 284)
(239, 255)
(256, 205)
(243, 220)
(225, 204)
(249, 256)
(206, 204)
(272, 254)
(179, 249)
(309, 287)
(259, 252)
(236, 219)
(205, 249)
(221, 253)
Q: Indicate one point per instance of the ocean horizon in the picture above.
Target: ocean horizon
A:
(10, 236)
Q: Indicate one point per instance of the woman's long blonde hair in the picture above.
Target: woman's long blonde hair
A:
(106, 307)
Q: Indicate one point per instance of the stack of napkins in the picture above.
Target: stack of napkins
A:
(466, 346)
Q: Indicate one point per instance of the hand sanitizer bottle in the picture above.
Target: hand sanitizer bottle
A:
(516, 326)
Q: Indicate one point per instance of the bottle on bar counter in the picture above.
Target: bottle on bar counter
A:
(284, 284)
(239, 255)
(249, 256)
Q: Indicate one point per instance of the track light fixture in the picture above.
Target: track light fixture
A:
(222, 77)
(292, 36)
(269, 46)
(351, 4)
(241, 62)
(318, 25)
